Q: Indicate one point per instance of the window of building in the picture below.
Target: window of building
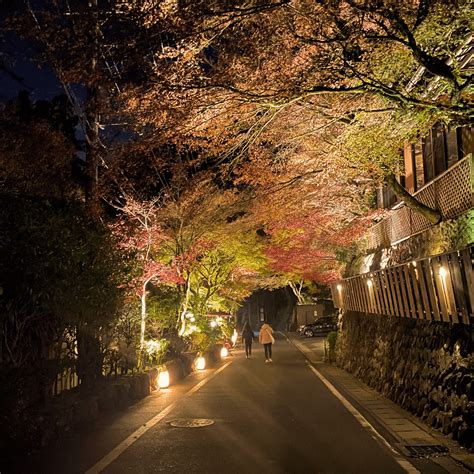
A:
(418, 167)
(466, 141)
(428, 161)
(439, 149)
(452, 146)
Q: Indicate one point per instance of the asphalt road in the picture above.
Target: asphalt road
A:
(268, 418)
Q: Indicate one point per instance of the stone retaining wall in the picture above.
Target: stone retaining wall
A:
(426, 367)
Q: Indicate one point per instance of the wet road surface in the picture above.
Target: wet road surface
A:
(275, 418)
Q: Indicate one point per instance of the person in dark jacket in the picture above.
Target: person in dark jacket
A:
(247, 338)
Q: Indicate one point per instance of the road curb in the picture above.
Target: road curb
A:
(417, 433)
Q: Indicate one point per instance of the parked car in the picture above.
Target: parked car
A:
(321, 326)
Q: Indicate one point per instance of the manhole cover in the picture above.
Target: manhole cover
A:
(426, 450)
(191, 422)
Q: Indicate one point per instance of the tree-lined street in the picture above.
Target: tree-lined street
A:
(179, 175)
(272, 418)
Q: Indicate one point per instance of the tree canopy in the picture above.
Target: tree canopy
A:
(239, 143)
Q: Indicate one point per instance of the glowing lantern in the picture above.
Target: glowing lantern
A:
(200, 363)
(224, 352)
(164, 379)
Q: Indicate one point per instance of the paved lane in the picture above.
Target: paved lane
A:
(269, 418)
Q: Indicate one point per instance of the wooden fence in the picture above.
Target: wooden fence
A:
(439, 288)
(452, 193)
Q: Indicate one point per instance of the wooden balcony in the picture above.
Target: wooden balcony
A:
(439, 288)
(452, 193)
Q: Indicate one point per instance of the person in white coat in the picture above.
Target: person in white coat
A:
(266, 338)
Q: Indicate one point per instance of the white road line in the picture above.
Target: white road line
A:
(405, 465)
(127, 442)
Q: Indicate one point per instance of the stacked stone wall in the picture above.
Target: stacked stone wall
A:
(426, 367)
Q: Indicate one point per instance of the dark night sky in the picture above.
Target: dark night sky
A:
(18, 58)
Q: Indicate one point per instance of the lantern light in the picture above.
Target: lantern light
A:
(164, 379)
(339, 287)
(200, 363)
(224, 352)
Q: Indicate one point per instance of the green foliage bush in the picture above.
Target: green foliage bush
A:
(58, 271)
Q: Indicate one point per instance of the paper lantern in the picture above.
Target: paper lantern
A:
(200, 363)
(164, 379)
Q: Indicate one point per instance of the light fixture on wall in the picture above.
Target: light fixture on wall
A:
(442, 272)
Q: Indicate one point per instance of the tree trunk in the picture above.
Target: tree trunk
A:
(141, 358)
(89, 358)
(183, 310)
(297, 290)
(92, 132)
(430, 214)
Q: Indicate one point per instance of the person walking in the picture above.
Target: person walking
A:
(266, 338)
(247, 338)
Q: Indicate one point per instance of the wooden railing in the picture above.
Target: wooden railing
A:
(439, 288)
(452, 193)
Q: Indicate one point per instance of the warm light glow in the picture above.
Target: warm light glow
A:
(369, 283)
(442, 272)
(200, 363)
(224, 352)
(339, 287)
(234, 337)
(192, 328)
(213, 324)
(413, 263)
(192, 319)
(164, 379)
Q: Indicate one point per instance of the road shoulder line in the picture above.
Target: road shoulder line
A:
(401, 461)
(404, 464)
(127, 442)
